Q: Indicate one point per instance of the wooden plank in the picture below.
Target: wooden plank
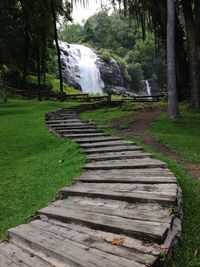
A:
(125, 179)
(93, 240)
(96, 139)
(134, 212)
(155, 175)
(70, 253)
(111, 148)
(118, 155)
(107, 143)
(60, 121)
(140, 172)
(129, 242)
(151, 231)
(151, 193)
(90, 130)
(116, 204)
(6, 262)
(125, 164)
(22, 258)
(84, 126)
(166, 189)
(61, 125)
(86, 135)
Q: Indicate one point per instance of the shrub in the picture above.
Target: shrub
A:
(137, 76)
(106, 56)
(13, 76)
(32, 84)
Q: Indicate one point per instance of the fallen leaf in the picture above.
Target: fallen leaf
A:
(118, 241)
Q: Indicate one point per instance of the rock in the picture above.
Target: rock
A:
(110, 73)
(118, 90)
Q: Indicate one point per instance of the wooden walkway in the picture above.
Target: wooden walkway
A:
(118, 214)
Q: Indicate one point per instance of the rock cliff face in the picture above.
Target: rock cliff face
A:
(110, 72)
(85, 70)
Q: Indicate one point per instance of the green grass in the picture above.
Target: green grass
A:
(67, 89)
(31, 172)
(104, 115)
(182, 136)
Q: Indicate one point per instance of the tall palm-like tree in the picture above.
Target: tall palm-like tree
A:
(54, 16)
(171, 65)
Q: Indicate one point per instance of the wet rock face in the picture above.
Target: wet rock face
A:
(68, 78)
(110, 72)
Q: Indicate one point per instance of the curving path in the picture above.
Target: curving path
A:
(118, 214)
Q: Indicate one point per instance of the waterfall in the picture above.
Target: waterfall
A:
(148, 87)
(79, 62)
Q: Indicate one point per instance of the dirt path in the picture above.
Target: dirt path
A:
(138, 125)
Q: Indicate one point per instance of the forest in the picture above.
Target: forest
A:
(30, 28)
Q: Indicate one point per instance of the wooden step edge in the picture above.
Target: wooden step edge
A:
(92, 150)
(134, 180)
(165, 201)
(125, 166)
(120, 157)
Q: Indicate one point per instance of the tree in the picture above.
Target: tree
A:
(171, 66)
(54, 17)
(192, 23)
(137, 76)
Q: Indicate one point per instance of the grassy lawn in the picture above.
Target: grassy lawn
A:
(184, 137)
(31, 172)
(104, 115)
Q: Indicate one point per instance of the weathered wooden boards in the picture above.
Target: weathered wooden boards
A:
(116, 215)
(149, 176)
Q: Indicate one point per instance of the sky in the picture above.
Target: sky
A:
(80, 13)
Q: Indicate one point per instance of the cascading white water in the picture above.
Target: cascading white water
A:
(148, 87)
(79, 62)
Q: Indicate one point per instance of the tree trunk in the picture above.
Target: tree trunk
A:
(26, 42)
(2, 78)
(171, 65)
(27, 46)
(44, 59)
(39, 74)
(158, 11)
(58, 49)
(193, 53)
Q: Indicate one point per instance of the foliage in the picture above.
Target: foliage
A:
(137, 76)
(56, 86)
(27, 35)
(13, 76)
(72, 33)
(105, 54)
